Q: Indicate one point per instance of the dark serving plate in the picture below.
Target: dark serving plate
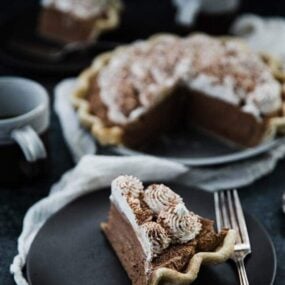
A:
(71, 249)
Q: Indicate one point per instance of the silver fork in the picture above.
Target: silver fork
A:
(229, 214)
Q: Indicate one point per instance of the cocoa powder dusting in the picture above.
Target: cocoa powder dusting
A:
(142, 212)
(177, 256)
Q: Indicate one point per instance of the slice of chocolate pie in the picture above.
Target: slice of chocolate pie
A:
(77, 21)
(135, 93)
(155, 236)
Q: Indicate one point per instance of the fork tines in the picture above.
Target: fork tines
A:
(229, 214)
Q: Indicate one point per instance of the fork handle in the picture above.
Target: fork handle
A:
(241, 272)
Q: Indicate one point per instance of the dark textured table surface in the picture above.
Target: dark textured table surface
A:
(262, 199)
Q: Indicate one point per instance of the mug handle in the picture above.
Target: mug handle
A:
(30, 143)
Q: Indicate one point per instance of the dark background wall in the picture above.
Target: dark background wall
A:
(9, 8)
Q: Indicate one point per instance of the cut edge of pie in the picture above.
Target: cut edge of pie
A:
(115, 135)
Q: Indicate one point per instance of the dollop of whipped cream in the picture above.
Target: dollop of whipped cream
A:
(160, 197)
(129, 186)
(265, 99)
(181, 224)
(157, 237)
(137, 76)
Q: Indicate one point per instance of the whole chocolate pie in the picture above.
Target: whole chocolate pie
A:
(156, 237)
(77, 21)
(133, 94)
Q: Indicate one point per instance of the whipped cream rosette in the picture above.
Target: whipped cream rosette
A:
(160, 197)
(181, 224)
(157, 237)
(128, 185)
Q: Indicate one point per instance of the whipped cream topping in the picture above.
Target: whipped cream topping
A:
(79, 8)
(157, 237)
(128, 185)
(137, 76)
(264, 99)
(160, 197)
(157, 215)
(182, 225)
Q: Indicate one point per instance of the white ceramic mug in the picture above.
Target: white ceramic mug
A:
(24, 115)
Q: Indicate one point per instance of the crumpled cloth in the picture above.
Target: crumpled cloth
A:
(91, 173)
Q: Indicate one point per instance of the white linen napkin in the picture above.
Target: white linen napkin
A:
(91, 173)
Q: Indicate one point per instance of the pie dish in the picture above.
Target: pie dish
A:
(133, 94)
(157, 239)
(74, 21)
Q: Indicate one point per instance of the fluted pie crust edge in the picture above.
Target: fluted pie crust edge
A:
(163, 275)
(222, 254)
(111, 20)
(114, 135)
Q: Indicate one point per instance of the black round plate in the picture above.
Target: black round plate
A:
(71, 249)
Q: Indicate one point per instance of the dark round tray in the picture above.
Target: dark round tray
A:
(71, 249)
